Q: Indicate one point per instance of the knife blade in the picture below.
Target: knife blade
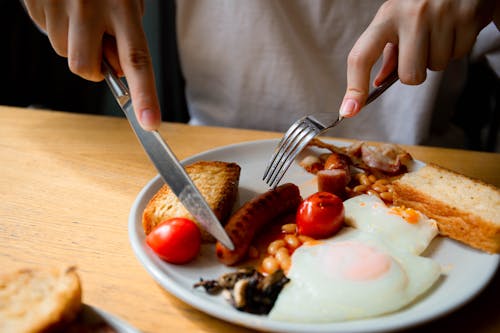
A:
(166, 162)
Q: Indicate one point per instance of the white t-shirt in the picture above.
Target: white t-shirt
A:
(263, 64)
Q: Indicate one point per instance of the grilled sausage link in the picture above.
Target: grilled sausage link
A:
(338, 162)
(252, 216)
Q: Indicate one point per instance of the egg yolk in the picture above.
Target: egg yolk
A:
(356, 261)
(408, 214)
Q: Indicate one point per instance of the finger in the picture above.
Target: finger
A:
(441, 46)
(471, 18)
(56, 25)
(137, 66)
(465, 36)
(413, 51)
(441, 37)
(362, 57)
(85, 45)
(389, 63)
(111, 54)
(36, 12)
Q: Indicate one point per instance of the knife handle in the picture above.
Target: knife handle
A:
(118, 88)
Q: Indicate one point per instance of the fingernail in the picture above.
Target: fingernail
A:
(348, 108)
(148, 119)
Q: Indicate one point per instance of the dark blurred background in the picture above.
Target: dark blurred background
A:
(32, 74)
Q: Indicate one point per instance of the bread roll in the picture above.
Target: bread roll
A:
(35, 300)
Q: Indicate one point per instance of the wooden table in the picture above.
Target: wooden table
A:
(67, 183)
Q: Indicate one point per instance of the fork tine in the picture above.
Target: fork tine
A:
(285, 141)
(291, 157)
(289, 140)
(287, 156)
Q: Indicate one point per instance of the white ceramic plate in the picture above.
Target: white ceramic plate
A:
(458, 285)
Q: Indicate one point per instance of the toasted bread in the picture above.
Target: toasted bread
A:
(465, 209)
(35, 300)
(217, 182)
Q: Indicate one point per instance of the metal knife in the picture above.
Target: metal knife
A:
(166, 163)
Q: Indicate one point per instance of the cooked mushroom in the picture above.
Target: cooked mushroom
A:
(247, 289)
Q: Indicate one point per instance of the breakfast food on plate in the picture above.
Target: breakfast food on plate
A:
(320, 215)
(176, 240)
(335, 174)
(363, 183)
(370, 214)
(358, 168)
(35, 300)
(247, 289)
(217, 182)
(246, 222)
(353, 249)
(383, 159)
(465, 209)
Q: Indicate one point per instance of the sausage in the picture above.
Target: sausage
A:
(247, 221)
(333, 181)
(337, 161)
(335, 176)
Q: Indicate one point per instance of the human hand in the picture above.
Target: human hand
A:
(85, 31)
(412, 36)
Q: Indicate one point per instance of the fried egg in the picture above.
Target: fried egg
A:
(359, 273)
(405, 228)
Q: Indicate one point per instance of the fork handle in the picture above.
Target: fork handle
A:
(393, 77)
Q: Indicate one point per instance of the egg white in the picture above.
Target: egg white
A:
(369, 213)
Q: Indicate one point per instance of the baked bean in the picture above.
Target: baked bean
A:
(357, 176)
(292, 241)
(379, 188)
(282, 255)
(289, 228)
(382, 181)
(363, 179)
(274, 246)
(285, 264)
(361, 188)
(270, 264)
(372, 192)
(372, 178)
(386, 196)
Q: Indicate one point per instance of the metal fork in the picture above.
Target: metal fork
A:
(303, 131)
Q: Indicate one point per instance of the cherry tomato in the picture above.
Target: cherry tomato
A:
(176, 240)
(320, 215)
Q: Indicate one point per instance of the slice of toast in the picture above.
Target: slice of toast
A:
(36, 300)
(218, 183)
(465, 209)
